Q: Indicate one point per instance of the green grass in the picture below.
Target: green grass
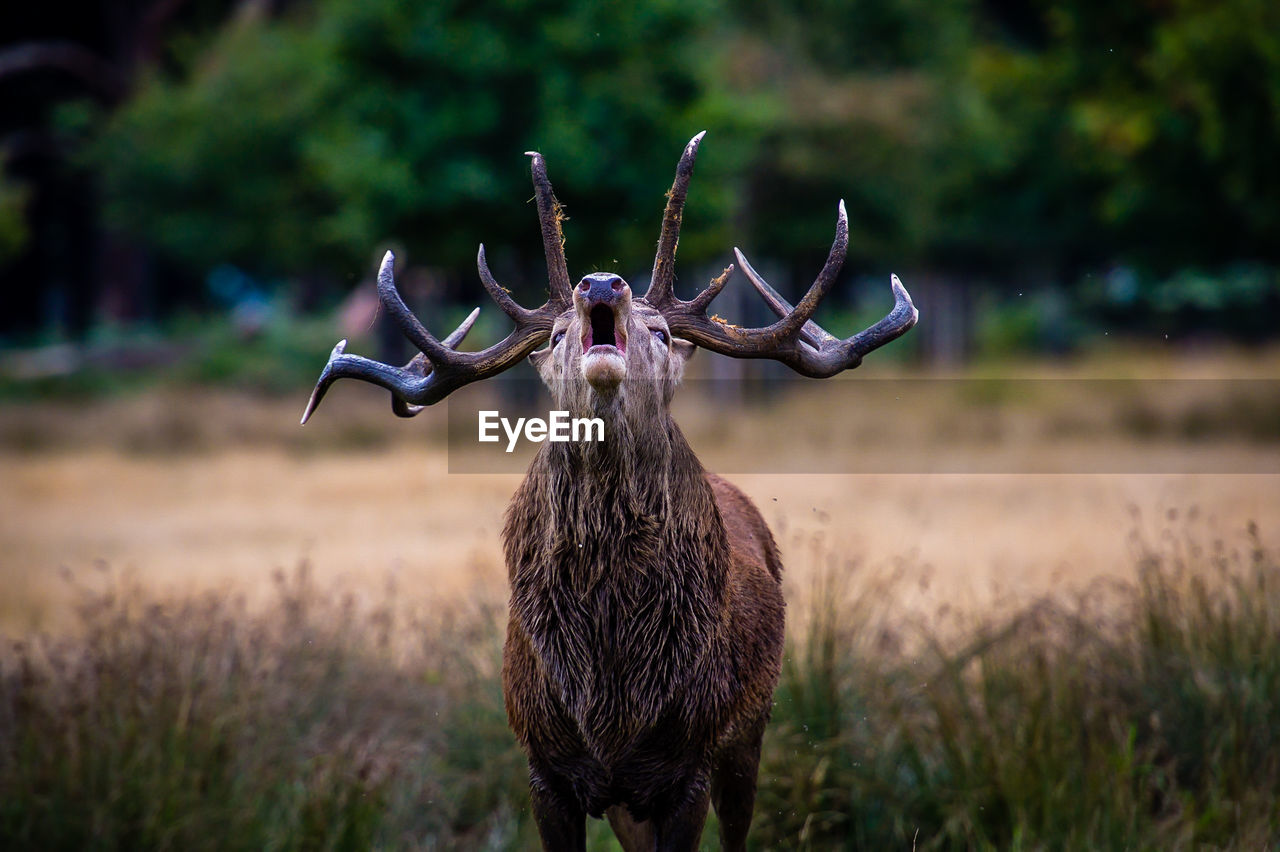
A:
(1140, 716)
(1137, 717)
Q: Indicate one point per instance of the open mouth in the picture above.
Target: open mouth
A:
(603, 332)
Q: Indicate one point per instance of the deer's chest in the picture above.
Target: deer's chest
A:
(619, 654)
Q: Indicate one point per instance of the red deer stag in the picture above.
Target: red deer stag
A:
(646, 618)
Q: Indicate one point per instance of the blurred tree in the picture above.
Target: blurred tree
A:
(13, 223)
(1139, 136)
(1145, 133)
(1009, 141)
(973, 140)
(302, 144)
(866, 89)
(72, 268)
(1180, 108)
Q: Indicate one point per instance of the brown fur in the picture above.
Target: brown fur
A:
(646, 616)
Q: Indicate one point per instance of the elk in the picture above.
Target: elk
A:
(645, 623)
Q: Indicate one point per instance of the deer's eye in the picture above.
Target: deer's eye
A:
(556, 338)
(660, 334)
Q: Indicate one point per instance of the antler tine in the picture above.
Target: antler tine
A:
(795, 339)
(699, 303)
(440, 369)
(455, 337)
(796, 318)
(810, 332)
(662, 284)
(898, 322)
(399, 311)
(419, 366)
(497, 292)
(791, 323)
(549, 217)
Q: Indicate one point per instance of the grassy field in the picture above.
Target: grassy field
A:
(225, 631)
(1138, 716)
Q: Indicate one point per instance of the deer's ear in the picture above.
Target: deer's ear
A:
(539, 357)
(683, 348)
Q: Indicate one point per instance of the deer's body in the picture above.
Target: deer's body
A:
(646, 618)
(644, 640)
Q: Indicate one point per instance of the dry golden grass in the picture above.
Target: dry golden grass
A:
(1140, 716)
(925, 697)
(189, 491)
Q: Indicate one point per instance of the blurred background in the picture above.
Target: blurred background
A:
(194, 196)
(1082, 197)
(1040, 174)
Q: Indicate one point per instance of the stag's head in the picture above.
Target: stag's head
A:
(607, 351)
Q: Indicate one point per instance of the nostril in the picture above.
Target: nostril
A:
(601, 287)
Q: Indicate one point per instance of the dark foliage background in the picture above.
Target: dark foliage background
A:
(1118, 157)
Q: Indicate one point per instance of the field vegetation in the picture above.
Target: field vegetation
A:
(1138, 715)
(222, 631)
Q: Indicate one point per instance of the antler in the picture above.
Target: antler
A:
(549, 217)
(795, 339)
(664, 263)
(439, 369)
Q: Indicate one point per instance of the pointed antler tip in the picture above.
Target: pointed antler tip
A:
(322, 384)
(843, 213)
(314, 402)
(902, 297)
(389, 257)
(747, 269)
(533, 154)
(465, 326)
(685, 168)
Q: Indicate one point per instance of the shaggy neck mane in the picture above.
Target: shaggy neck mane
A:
(613, 549)
(623, 504)
(609, 509)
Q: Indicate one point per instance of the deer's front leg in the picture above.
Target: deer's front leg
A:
(562, 824)
(679, 829)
